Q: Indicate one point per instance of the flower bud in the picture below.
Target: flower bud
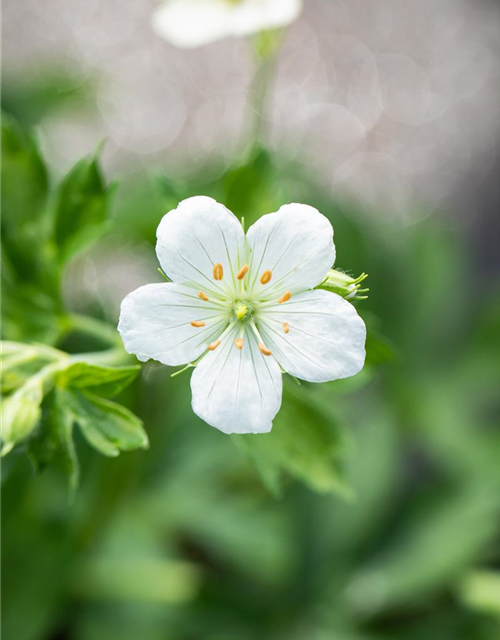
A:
(21, 413)
(344, 285)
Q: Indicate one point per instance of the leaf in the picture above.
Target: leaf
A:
(53, 442)
(107, 426)
(19, 361)
(103, 381)
(305, 442)
(24, 176)
(480, 590)
(82, 206)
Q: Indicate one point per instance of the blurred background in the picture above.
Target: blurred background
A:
(384, 523)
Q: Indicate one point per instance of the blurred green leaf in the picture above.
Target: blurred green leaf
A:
(103, 381)
(19, 361)
(82, 207)
(34, 94)
(107, 426)
(24, 177)
(480, 590)
(53, 441)
(305, 442)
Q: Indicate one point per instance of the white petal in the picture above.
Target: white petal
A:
(237, 391)
(193, 23)
(251, 16)
(155, 322)
(326, 337)
(194, 237)
(295, 244)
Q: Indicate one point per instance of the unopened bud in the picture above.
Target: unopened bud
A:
(345, 285)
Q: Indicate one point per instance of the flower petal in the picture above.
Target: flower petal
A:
(190, 23)
(325, 338)
(295, 245)
(237, 390)
(250, 16)
(193, 238)
(155, 322)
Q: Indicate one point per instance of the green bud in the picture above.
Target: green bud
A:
(344, 285)
(21, 413)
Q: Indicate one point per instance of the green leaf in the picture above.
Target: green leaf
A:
(107, 426)
(24, 176)
(103, 381)
(305, 443)
(82, 206)
(53, 442)
(19, 361)
(480, 590)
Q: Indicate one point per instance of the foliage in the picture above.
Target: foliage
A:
(186, 541)
(46, 390)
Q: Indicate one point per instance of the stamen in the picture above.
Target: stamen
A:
(286, 327)
(241, 273)
(197, 323)
(213, 345)
(218, 271)
(203, 296)
(285, 297)
(266, 277)
(238, 343)
(263, 349)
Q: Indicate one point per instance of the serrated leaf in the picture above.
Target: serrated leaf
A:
(53, 442)
(82, 207)
(305, 443)
(100, 380)
(106, 425)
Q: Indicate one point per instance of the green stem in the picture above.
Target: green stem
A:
(265, 46)
(94, 328)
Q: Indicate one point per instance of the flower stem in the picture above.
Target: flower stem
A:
(265, 48)
(93, 327)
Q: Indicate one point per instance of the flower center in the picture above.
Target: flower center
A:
(242, 310)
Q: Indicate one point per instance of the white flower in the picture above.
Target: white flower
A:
(245, 304)
(194, 23)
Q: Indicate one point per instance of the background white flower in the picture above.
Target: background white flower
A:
(193, 23)
(245, 304)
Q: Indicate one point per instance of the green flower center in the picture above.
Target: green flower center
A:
(242, 310)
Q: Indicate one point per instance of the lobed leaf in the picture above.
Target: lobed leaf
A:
(103, 381)
(106, 425)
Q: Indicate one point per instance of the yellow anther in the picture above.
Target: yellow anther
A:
(286, 327)
(238, 343)
(266, 277)
(263, 349)
(203, 296)
(218, 271)
(285, 297)
(213, 345)
(242, 271)
(241, 311)
(197, 323)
